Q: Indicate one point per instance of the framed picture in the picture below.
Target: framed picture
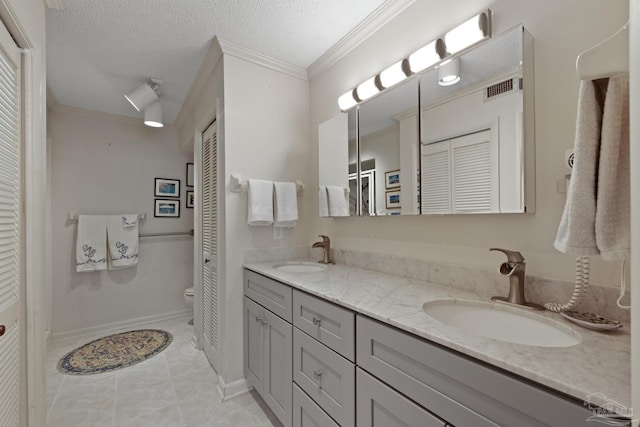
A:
(392, 179)
(167, 208)
(392, 199)
(167, 187)
(190, 179)
(190, 199)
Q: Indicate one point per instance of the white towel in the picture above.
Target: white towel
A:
(122, 234)
(576, 233)
(285, 204)
(613, 208)
(91, 243)
(260, 202)
(323, 204)
(337, 201)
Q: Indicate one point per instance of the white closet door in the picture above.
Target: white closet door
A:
(436, 179)
(209, 227)
(10, 232)
(474, 186)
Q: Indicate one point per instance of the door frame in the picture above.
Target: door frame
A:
(34, 216)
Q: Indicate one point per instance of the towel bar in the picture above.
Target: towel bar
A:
(239, 185)
(73, 216)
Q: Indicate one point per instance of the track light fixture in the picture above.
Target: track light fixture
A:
(153, 115)
(145, 94)
(435, 53)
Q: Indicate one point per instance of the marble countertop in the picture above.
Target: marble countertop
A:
(600, 363)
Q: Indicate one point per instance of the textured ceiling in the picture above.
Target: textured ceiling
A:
(98, 50)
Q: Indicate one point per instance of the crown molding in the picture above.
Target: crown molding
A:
(54, 4)
(59, 108)
(378, 18)
(230, 48)
(214, 54)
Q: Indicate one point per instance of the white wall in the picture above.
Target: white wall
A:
(106, 165)
(560, 30)
(266, 136)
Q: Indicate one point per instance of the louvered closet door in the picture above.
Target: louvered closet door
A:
(10, 234)
(209, 227)
(435, 187)
(472, 186)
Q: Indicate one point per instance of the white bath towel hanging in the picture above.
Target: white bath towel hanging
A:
(285, 196)
(323, 203)
(337, 201)
(260, 202)
(613, 208)
(576, 233)
(91, 243)
(122, 236)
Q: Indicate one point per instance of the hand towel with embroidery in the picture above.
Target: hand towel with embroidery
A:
(91, 243)
(122, 232)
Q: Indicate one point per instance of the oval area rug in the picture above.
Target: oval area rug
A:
(114, 352)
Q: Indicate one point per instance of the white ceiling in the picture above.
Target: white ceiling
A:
(99, 50)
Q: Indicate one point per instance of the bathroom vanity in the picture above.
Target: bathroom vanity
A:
(350, 347)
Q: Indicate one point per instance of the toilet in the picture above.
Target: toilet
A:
(188, 299)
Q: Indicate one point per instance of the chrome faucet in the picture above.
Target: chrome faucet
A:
(514, 270)
(326, 249)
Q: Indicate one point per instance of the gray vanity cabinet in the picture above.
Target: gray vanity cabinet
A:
(457, 388)
(268, 341)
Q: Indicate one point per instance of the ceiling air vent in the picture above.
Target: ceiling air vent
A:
(500, 89)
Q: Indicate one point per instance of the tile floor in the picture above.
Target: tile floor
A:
(176, 388)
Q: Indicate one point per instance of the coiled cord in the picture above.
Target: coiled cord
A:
(580, 289)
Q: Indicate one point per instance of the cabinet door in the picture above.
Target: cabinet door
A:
(253, 344)
(306, 413)
(278, 347)
(379, 405)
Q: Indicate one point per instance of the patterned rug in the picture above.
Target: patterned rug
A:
(114, 352)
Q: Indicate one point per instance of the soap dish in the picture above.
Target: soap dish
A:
(592, 321)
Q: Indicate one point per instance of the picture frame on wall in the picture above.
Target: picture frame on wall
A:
(166, 187)
(166, 208)
(392, 199)
(190, 199)
(190, 175)
(392, 179)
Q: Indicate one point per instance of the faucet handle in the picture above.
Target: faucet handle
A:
(512, 256)
(324, 238)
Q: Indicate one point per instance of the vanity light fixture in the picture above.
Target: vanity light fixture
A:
(468, 33)
(153, 115)
(145, 94)
(427, 57)
(449, 72)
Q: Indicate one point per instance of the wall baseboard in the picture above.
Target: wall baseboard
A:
(231, 390)
(78, 333)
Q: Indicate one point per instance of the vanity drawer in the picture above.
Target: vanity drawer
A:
(273, 295)
(380, 405)
(330, 324)
(455, 387)
(327, 377)
(306, 413)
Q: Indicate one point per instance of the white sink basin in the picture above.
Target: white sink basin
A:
(300, 267)
(502, 323)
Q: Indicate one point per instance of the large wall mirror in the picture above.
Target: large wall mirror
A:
(427, 148)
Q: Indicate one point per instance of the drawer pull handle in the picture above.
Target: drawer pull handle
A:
(259, 319)
(318, 376)
(317, 321)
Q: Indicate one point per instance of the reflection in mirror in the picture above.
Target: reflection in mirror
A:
(388, 135)
(472, 151)
(333, 145)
